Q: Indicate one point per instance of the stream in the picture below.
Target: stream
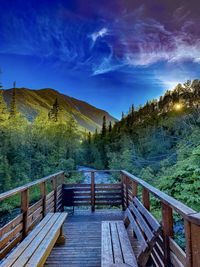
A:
(100, 177)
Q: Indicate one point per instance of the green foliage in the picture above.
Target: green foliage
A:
(31, 150)
(158, 142)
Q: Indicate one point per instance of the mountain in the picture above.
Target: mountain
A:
(32, 102)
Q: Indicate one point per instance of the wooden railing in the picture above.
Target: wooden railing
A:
(166, 251)
(94, 194)
(17, 229)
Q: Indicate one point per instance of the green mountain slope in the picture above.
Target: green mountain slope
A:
(32, 102)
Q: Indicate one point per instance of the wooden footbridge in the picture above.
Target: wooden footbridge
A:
(112, 225)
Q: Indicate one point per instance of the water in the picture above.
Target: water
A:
(100, 177)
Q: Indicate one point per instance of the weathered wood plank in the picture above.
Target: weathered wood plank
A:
(167, 227)
(24, 209)
(149, 217)
(10, 225)
(128, 255)
(116, 246)
(27, 186)
(145, 198)
(175, 261)
(30, 249)
(182, 209)
(136, 229)
(106, 247)
(27, 241)
(34, 207)
(44, 249)
(180, 254)
(10, 235)
(143, 225)
(10, 246)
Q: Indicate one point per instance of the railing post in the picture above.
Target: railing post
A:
(43, 195)
(122, 190)
(126, 182)
(24, 210)
(134, 189)
(92, 191)
(192, 236)
(62, 183)
(145, 198)
(167, 227)
(54, 183)
(62, 178)
(188, 245)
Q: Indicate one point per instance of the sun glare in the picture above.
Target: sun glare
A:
(178, 106)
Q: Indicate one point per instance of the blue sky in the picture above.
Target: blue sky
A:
(109, 53)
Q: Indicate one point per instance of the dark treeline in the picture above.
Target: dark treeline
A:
(31, 150)
(159, 142)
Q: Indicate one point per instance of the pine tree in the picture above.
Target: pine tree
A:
(53, 113)
(110, 127)
(13, 107)
(132, 110)
(103, 130)
(3, 108)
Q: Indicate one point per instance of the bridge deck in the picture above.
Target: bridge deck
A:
(83, 242)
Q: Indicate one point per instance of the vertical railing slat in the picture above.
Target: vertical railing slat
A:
(167, 227)
(146, 198)
(126, 184)
(92, 191)
(54, 183)
(122, 191)
(134, 189)
(24, 210)
(43, 196)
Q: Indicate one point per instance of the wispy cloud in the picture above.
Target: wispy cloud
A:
(134, 39)
(101, 33)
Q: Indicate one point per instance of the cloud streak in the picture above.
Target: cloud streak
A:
(134, 39)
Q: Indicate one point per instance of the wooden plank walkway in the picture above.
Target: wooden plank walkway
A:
(83, 242)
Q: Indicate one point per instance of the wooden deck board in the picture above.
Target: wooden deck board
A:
(83, 239)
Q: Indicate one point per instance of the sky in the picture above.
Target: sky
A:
(110, 53)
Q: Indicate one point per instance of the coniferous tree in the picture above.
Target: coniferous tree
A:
(53, 113)
(3, 108)
(110, 127)
(13, 106)
(103, 130)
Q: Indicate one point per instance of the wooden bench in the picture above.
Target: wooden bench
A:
(129, 242)
(36, 247)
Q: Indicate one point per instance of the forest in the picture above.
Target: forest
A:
(158, 142)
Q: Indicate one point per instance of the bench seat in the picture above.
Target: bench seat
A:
(130, 241)
(116, 247)
(36, 247)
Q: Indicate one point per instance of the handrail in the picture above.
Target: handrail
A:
(173, 255)
(127, 189)
(78, 171)
(178, 206)
(19, 189)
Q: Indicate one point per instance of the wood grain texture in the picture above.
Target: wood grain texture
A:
(83, 239)
(37, 246)
(116, 247)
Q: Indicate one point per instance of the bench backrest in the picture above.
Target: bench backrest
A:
(145, 227)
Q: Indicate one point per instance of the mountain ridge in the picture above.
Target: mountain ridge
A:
(31, 102)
